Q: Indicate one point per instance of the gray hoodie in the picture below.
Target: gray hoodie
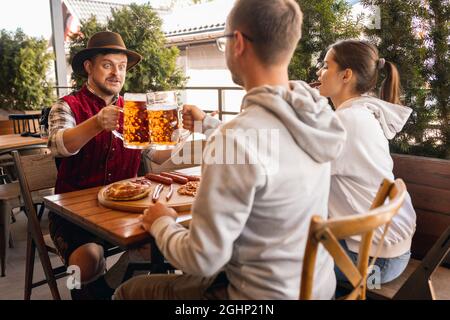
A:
(251, 219)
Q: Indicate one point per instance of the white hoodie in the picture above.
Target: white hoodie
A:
(250, 219)
(361, 167)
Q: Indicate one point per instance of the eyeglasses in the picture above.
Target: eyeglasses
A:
(221, 41)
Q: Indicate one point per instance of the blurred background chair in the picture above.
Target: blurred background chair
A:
(25, 123)
(9, 199)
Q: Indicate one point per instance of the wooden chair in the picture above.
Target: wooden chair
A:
(329, 232)
(9, 199)
(37, 172)
(25, 123)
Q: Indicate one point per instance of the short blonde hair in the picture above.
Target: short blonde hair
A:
(274, 25)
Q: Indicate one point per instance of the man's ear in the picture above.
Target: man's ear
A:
(348, 75)
(239, 43)
(87, 66)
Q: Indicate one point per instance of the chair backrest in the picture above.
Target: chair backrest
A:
(329, 232)
(37, 172)
(25, 122)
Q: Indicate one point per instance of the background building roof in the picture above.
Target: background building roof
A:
(84, 9)
(193, 24)
(205, 17)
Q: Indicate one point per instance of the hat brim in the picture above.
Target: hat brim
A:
(78, 60)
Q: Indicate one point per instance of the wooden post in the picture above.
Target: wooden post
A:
(58, 45)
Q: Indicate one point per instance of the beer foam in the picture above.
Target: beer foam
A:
(135, 97)
(162, 107)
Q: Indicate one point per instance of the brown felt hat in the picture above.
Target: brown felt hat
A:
(99, 42)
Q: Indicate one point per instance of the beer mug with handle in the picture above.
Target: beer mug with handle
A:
(164, 116)
(136, 134)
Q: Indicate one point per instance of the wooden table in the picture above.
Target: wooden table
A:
(9, 142)
(120, 228)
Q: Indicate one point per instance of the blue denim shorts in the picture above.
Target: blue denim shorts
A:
(390, 268)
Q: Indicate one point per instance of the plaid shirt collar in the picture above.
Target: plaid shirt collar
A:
(91, 90)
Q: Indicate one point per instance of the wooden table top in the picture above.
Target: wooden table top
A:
(82, 208)
(16, 141)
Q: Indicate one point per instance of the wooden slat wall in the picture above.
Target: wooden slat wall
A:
(428, 182)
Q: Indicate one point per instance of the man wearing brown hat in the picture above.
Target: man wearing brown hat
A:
(89, 155)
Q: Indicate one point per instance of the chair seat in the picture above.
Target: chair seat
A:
(6, 158)
(440, 281)
(9, 191)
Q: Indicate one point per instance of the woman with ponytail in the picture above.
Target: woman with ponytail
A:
(349, 78)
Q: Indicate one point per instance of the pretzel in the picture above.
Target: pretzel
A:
(189, 189)
(126, 191)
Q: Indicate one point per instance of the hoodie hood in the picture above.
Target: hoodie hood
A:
(392, 117)
(306, 115)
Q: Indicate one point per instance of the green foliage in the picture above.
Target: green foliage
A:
(438, 18)
(24, 62)
(414, 35)
(140, 28)
(324, 22)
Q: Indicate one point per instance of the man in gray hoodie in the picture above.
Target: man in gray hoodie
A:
(264, 174)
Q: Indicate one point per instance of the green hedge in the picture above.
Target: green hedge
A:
(24, 63)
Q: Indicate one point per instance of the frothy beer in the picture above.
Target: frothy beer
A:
(136, 122)
(163, 124)
(164, 119)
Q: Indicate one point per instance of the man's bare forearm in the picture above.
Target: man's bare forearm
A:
(75, 138)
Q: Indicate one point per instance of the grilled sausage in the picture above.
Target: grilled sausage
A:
(190, 178)
(158, 178)
(176, 178)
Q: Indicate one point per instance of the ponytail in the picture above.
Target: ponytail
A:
(363, 59)
(390, 87)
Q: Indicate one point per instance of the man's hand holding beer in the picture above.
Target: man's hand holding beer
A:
(108, 118)
(191, 115)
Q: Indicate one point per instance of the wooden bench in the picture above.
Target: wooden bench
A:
(440, 279)
(428, 183)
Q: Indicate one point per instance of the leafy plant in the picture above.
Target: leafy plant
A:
(24, 63)
(324, 22)
(140, 28)
(414, 35)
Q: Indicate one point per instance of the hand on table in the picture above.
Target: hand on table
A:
(155, 211)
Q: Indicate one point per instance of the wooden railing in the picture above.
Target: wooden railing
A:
(220, 98)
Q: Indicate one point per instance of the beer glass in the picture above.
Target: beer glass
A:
(136, 133)
(165, 132)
